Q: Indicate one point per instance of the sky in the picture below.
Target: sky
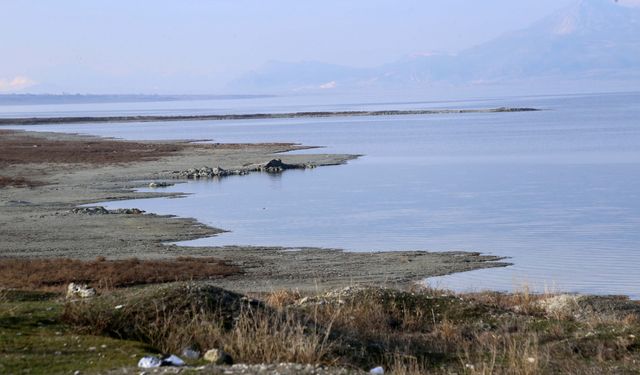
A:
(189, 46)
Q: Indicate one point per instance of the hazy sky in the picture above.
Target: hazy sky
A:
(190, 46)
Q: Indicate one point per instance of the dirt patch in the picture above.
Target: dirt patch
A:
(46, 273)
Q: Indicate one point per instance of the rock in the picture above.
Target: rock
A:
(128, 211)
(218, 357)
(563, 305)
(190, 353)
(377, 371)
(149, 362)
(208, 172)
(154, 185)
(277, 166)
(80, 291)
(97, 210)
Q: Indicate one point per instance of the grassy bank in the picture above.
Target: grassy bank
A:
(406, 332)
(34, 340)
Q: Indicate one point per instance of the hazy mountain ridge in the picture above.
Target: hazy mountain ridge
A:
(590, 40)
(300, 76)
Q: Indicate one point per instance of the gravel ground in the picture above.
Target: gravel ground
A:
(262, 369)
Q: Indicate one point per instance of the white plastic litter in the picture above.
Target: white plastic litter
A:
(377, 371)
(149, 362)
(172, 360)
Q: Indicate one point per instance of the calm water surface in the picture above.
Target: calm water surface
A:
(557, 191)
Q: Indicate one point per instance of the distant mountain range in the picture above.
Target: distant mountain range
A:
(593, 40)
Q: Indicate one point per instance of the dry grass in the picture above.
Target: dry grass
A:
(424, 331)
(56, 273)
(433, 332)
(282, 298)
(402, 365)
(263, 336)
(521, 301)
(176, 316)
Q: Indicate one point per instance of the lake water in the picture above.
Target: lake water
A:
(556, 191)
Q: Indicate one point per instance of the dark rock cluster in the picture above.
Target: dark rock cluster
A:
(99, 210)
(277, 166)
(207, 172)
(273, 166)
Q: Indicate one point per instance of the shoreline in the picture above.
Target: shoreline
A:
(251, 116)
(349, 311)
(38, 221)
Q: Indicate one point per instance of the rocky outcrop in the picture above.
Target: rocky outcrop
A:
(99, 210)
(273, 166)
(207, 173)
(127, 211)
(277, 166)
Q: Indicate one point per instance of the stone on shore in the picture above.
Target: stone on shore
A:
(97, 210)
(218, 357)
(277, 166)
(207, 173)
(154, 185)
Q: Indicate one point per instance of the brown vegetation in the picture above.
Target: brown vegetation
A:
(25, 149)
(101, 273)
(16, 182)
(424, 331)
(176, 316)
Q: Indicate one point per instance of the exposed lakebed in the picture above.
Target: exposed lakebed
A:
(557, 191)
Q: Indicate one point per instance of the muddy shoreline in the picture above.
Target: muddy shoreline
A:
(37, 220)
(251, 116)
